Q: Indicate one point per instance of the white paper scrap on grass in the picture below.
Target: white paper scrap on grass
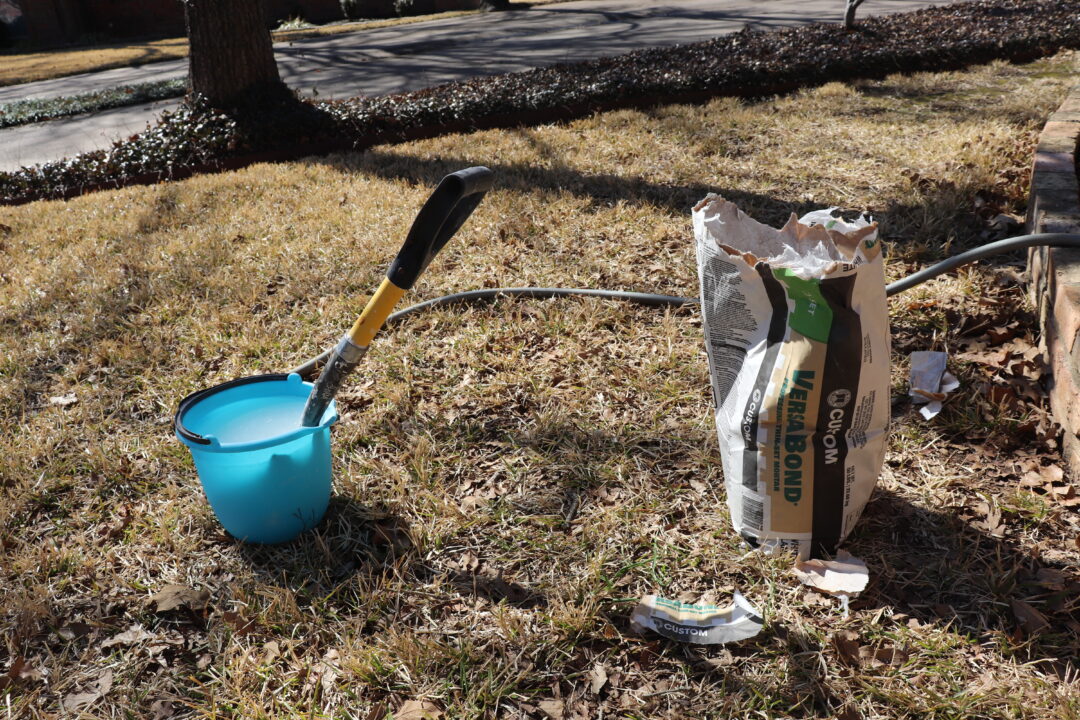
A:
(698, 624)
(842, 576)
(930, 381)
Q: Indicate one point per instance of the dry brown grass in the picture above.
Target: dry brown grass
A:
(508, 478)
(45, 65)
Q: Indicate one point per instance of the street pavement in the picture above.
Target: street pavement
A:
(418, 55)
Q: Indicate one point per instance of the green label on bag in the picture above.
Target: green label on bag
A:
(812, 315)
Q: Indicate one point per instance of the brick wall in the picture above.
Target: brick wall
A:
(1054, 207)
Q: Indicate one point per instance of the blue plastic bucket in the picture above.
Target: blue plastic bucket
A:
(266, 477)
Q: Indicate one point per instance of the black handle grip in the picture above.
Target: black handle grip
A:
(442, 215)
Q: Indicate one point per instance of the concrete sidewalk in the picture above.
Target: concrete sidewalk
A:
(414, 56)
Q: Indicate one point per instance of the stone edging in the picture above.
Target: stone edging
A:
(1054, 206)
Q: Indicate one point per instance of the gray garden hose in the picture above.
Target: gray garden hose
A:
(1021, 242)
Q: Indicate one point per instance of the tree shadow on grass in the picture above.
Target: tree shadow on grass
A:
(373, 545)
(924, 228)
(601, 189)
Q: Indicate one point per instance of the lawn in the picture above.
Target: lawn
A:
(510, 478)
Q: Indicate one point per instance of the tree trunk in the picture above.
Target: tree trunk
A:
(231, 61)
(849, 13)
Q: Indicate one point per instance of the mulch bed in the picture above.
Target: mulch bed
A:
(749, 63)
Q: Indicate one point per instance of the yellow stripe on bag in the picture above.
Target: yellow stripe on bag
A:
(375, 313)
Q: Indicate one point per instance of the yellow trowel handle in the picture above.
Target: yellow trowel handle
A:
(375, 313)
(445, 211)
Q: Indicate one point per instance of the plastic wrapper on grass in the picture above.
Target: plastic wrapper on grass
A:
(930, 381)
(697, 624)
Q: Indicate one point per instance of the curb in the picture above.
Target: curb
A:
(1054, 206)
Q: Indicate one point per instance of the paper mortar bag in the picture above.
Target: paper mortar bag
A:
(797, 333)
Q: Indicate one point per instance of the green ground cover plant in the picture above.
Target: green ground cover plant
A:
(510, 478)
(23, 112)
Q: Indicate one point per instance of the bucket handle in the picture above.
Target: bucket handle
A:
(186, 403)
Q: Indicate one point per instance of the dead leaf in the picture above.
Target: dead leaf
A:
(327, 671)
(1050, 578)
(916, 624)
(846, 643)
(95, 690)
(1001, 334)
(22, 670)
(63, 400)
(882, 656)
(468, 561)
(121, 519)
(162, 642)
(1031, 620)
(161, 709)
(721, 660)
(1032, 480)
(378, 712)
(204, 661)
(1052, 473)
(74, 630)
(131, 636)
(239, 624)
(271, 652)
(172, 597)
(978, 354)
(922, 305)
(992, 524)
(597, 678)
(553, 709)
(1069, 499)
(853, 654)
(811, 599)
(1059, 490)
(470, 503)
(418, 710)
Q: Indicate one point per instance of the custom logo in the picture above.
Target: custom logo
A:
(839, 398)
(751, 415)
(682, 629)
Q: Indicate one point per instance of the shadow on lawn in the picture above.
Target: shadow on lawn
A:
(374, 544)
(932, 565)
(924, 228)
(601, 189)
